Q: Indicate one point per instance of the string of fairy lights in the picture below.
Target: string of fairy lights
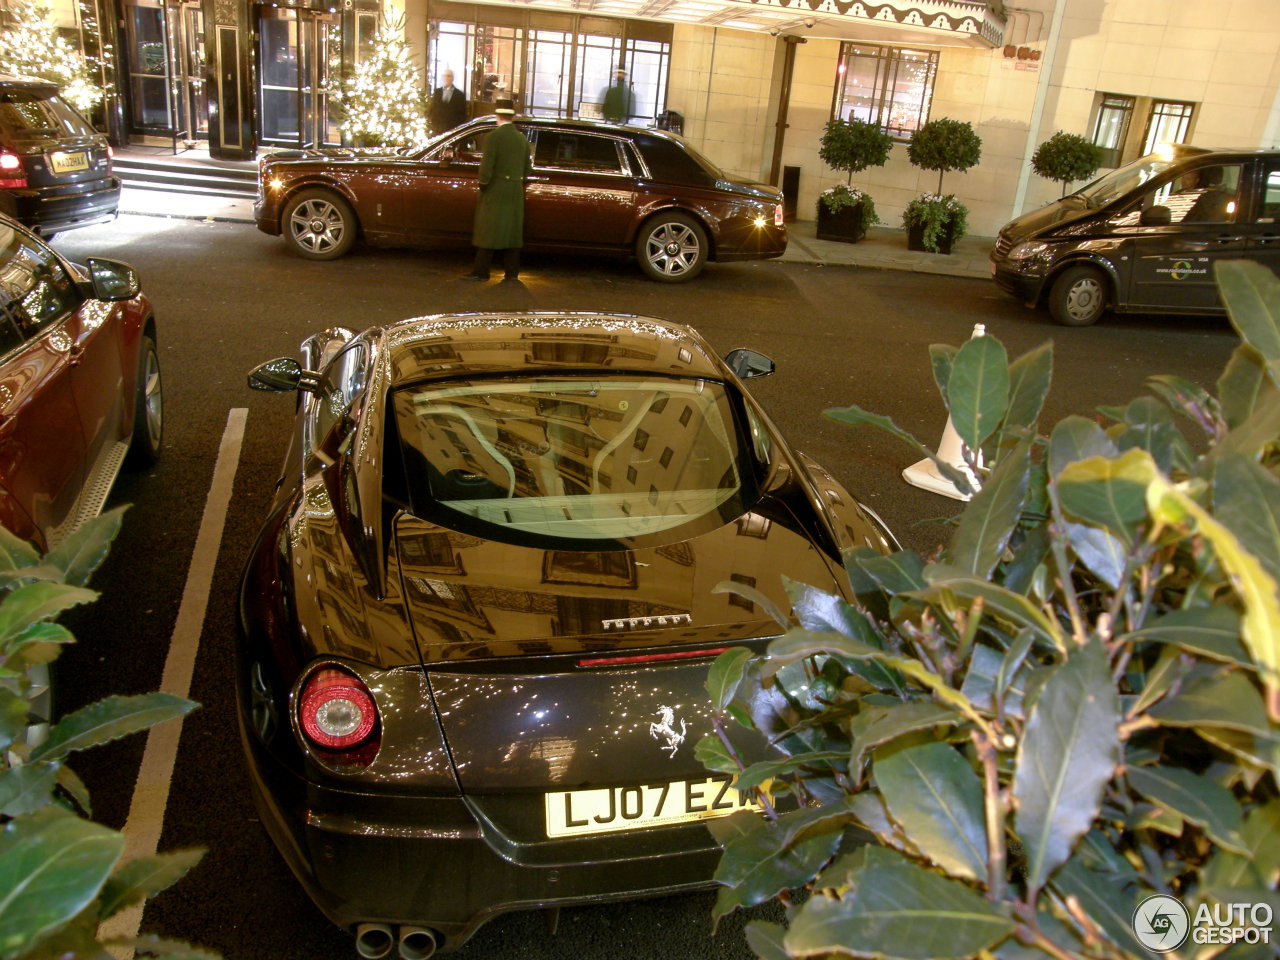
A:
(381, 102)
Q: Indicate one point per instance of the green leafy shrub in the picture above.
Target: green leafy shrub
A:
(999, 751)
(943, 145)
(1066, 157)
(840, 197)
(853, 145)
(939, 216)
(60, 873)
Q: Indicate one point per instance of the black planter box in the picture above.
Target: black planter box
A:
(915, 239)
(844, 224)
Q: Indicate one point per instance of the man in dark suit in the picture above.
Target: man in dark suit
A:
(448, 106)
(499, 222)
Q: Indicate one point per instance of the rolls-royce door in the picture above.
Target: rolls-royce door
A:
(582, 192)
(440, 197)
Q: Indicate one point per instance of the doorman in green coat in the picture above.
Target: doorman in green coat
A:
(499, 223)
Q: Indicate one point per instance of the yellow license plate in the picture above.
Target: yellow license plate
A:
(573, 813)
(68, 162)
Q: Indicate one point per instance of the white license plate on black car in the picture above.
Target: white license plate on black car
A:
(68, 162)
(607, 809)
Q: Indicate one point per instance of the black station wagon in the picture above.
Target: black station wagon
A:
(1144, 238)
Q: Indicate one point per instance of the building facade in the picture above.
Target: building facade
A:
(751, 82)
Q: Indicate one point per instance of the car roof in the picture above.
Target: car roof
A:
(594, 126)
(449, 346)
(9, 80)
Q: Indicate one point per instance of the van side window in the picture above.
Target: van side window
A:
(1269, 212)
(1209, 194)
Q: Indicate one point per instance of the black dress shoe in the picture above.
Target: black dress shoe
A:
(473, 278)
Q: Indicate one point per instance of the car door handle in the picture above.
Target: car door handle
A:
(76, 355)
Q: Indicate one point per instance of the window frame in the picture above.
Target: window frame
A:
(1113, 156)
(1184, 128)
(888, 60)
(624, 160)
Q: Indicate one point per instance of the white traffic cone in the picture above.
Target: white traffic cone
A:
(925, 475)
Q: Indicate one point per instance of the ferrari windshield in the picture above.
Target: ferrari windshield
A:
(576, 458)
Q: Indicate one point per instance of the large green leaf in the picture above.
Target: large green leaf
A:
(1148, 425)
(856, 416)
(1029, 378)
(109, 719)
(1193, 797)
(758, 773)
(1258, 749)
(1243, 383)
(978, 391)
(798, 643)
(1068, 752)
(1189, 399)
(1251, 294)
(1106, 899)
(819, 611)
(897, 909)
(883, 724)
(1258, 865)
(1256, 588)
(991, 516)
(26, 788)
(942, 356)
(725, 676)
(985, 673)
(16, 553)
(1246, 500)
(144, 877)
(34, 602)
(711, 752)
(754, 596)
(1259, 429)
(1077, 438)
(1210, 631)
(85, 549)
(52, 865)
(1218, 699)
(894, 574)
(1109, 493)
(761, 864)
(936, 796)
(1101, 552)
(765, 939)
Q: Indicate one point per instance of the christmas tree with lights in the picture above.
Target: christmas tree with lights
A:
(30, 46)
(381, 102)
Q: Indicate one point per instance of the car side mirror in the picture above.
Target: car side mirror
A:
(282, 375)
(1156, 216)
(112, 280)
(748, 363)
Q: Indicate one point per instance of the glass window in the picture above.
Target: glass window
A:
(598, 59)
(649, 62)
(468, 148)
(1169, 123)
(1199, 195)
(1119, 182)
(496, 58)
(26, 114)
(519, 460)
(34, 286)
(344, 380)
(1112, 126)
(447, 51)
(1270, 209)
(579, 152)
(546, 77)
(888, 86)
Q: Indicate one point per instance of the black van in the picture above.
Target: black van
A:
(1144, 238)
(55, 169)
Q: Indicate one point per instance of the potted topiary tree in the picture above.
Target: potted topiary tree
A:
(1066, 157)
(935, 221)
(844, 213)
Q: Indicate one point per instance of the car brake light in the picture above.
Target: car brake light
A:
(778, 215)
(337, 711)
(12, 173)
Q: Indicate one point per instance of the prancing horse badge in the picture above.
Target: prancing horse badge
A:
(665, 729)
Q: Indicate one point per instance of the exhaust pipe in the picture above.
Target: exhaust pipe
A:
(417, 943)
(374, 940)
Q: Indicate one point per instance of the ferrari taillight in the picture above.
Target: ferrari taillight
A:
(779, 215)
(336, 710)
(12, 173)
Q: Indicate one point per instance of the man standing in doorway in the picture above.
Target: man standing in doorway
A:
(499, 223)
(618, 104)
(448, 106)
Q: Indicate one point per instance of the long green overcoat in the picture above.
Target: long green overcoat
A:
(499, 223)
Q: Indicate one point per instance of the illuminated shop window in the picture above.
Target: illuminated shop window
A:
(889, 86)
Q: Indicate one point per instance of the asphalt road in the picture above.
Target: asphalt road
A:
(228, 297)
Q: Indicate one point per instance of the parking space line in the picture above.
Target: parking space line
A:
(151, 792)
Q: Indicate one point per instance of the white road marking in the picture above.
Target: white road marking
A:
(151, 792)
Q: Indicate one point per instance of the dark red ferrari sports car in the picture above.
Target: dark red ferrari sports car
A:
(476, 626)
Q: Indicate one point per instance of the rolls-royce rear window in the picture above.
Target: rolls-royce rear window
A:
(583, 459)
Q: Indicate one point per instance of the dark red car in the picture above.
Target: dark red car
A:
(80, 384)
(596, 188)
